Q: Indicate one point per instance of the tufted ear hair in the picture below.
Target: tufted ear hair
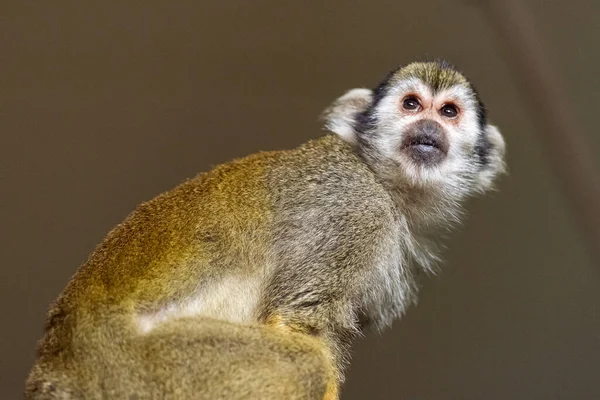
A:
(340, 116)
(495, 164)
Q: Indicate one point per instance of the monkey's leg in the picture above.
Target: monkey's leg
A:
(211, 359)
(189, 358)
(277, 322)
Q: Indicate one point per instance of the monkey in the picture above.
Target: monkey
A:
(252, 280)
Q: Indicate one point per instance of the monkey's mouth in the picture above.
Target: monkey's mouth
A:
(425, 148)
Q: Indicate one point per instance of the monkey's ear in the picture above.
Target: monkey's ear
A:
(340, 116)
(495, 158)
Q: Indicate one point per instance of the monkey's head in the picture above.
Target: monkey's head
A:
(425, 126)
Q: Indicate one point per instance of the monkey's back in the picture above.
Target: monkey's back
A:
(220, 220)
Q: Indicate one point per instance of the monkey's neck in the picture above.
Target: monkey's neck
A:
(427, 208)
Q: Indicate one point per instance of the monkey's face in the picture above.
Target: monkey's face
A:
(426, 121)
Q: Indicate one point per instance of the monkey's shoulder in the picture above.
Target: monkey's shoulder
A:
(330, 166)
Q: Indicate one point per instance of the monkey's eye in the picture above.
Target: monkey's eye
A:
(411, 103)
(449, 111)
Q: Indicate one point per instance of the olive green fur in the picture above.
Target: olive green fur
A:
(437, 75)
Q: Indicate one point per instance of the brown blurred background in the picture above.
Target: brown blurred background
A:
(104, 105)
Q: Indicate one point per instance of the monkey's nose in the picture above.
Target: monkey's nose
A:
(429, 127)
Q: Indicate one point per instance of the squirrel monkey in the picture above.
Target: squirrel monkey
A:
(250, 281)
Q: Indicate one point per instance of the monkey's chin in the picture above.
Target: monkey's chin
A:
(424, 170)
